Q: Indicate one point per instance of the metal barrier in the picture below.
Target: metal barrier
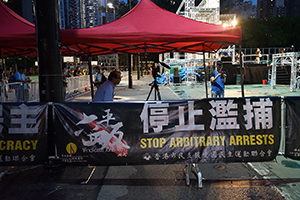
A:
(78, 84)
(19, 92)
(264, 59)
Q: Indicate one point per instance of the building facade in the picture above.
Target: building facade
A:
(292, 8)
(278, 8)
(265, 8)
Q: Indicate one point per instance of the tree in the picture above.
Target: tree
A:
(271, 32)
(171, 6)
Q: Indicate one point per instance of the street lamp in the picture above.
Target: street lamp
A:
(106, 11)
(110, 5)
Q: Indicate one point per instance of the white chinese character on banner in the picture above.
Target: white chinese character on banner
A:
(32, 157)
(197, 155)
(224, 115)
(230, 154)
(269, 152)
(173, 155)
(24, 118)
(205, 154)
(157, 156)
(262, 153)
(147, 156)
(249, 114)
(254, 153)
(7, 158)
(221, 154)
(106, 118)
(16, 158)
(165, 156)
(238, 154)
(246, 154)
(180, 156)
(213, 155)
(24, 158)
(262, 114)
(158, 116)
(191, 114)
(111, 140)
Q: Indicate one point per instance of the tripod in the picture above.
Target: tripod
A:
(156, 90)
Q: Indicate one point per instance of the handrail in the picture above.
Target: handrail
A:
(264, 58)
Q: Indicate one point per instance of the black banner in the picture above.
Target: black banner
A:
(168, 132)
(292, 137)
(23, 139)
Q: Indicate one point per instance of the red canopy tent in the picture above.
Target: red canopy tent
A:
(146, 28)
(149, 28)
(17, 35)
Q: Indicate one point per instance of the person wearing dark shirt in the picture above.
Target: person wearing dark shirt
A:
(77, 72)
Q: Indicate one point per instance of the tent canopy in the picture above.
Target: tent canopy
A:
(146, 28)
(17, 35)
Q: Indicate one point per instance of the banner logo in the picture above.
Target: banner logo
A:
(105, 134)
(71, 148)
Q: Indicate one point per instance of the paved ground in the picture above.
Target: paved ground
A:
(285, 173)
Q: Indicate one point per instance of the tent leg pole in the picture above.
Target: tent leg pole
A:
(205, 73)
(241, 69)
(129, 71)
(91, 76)
(138, 66)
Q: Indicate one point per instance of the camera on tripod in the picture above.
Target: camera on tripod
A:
(155, 71)
(155, 74)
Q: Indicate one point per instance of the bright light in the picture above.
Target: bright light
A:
(110, 5)
(225, 25)
(234, 22)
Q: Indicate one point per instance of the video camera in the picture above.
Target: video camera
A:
(156, 69)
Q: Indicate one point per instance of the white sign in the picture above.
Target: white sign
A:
(68, 59)
(94, 62)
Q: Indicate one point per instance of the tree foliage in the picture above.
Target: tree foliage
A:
(272, 32)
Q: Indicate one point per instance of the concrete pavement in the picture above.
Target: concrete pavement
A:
(283, 172)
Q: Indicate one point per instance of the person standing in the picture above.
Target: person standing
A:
(8, 72)
(258, 56)
(68, 72)
(77, 72)
(21, 91)
(100, 78)
(3, 83)
(65, 82)
(106, 91)
(218, 78)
